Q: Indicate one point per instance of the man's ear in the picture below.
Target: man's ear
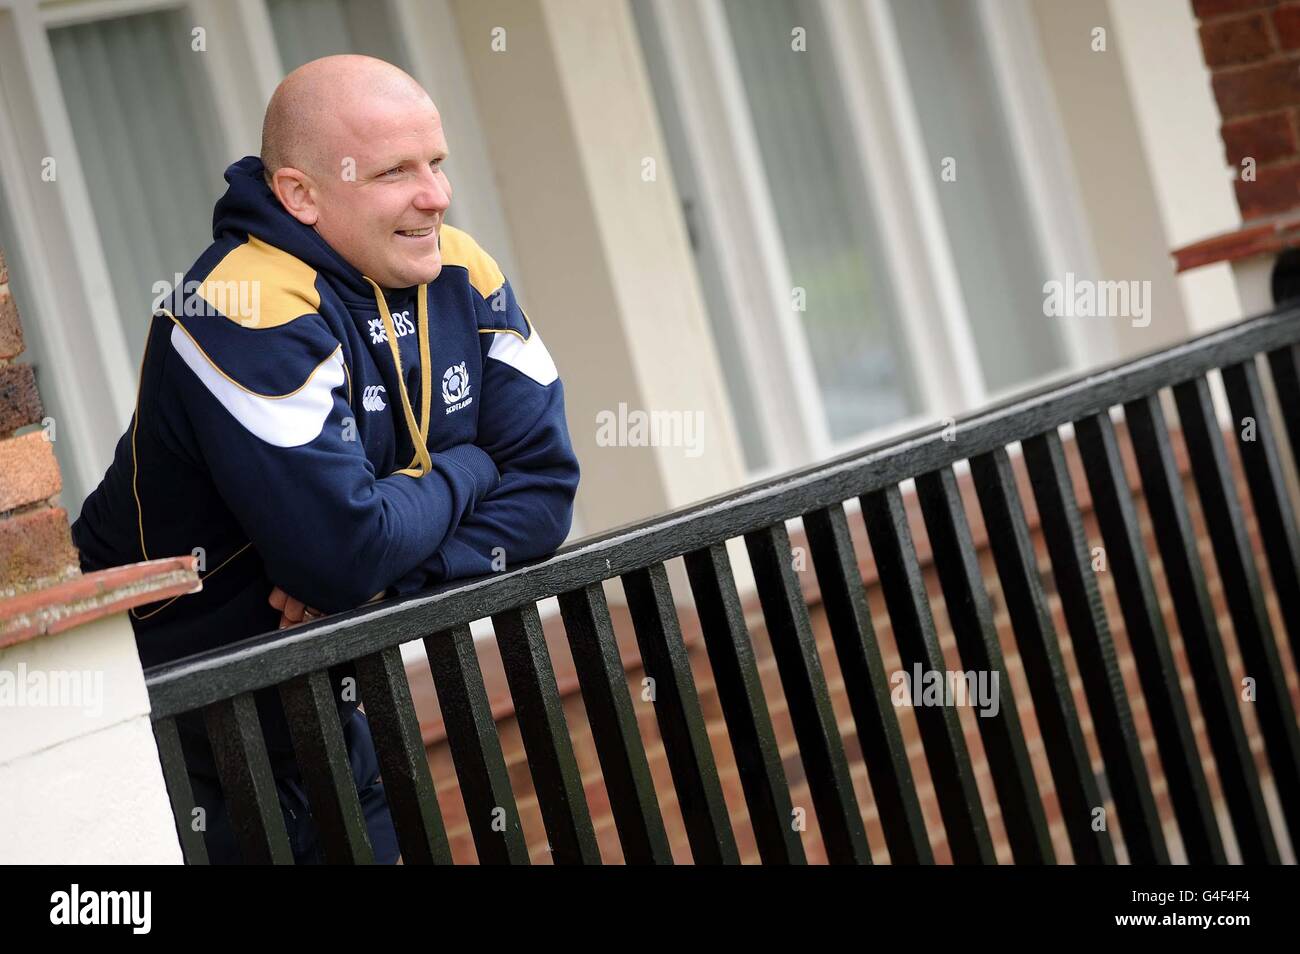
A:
(297, 193)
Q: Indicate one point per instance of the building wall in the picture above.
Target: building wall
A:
(1177, 122)
(83, 784)
(1251, 50)
(549, 135)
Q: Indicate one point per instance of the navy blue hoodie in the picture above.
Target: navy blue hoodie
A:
(275, 435)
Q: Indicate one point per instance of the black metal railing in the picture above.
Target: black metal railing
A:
(221, 683)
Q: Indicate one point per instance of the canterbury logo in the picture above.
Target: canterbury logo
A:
(372, 399)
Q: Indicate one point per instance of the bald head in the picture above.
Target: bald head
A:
(319, 110)
(353, 148)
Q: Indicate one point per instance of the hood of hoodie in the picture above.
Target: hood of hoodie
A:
(250, 207)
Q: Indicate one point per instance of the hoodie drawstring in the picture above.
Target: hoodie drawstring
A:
(421, 463)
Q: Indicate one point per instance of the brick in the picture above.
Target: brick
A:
(1236, 41)
(1204, 9)
(1275, 189)
(36, 546)
(11, 332)
(1255, 89)
(28, 471)
(1286, 21)
(611, 849)
(20, 403)
(1263, 138)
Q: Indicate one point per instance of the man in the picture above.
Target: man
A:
(343, 401)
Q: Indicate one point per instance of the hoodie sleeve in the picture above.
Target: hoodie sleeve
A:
(522, 427)
(269, 413)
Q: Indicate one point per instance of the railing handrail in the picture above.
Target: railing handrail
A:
(271, 658)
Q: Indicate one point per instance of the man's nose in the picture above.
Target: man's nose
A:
(434, 194)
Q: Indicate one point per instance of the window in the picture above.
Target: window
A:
(841, 293)
(855, 287)
(142, 119)
(985, 212)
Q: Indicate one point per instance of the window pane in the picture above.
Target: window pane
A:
(145, 132)
(307, 29)
(985, 214)
(827, 225)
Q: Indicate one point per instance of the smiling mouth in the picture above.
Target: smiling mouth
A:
(415, 233)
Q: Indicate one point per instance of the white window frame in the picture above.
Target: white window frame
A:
(934, 328)
(756, 278)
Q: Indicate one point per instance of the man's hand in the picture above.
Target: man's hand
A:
(293, 611)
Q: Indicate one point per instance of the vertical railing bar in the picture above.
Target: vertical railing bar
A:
(1040, 654)
(179, 791)
(1232, 552)
(976, 636)
(322, 757)
(540, 712)
(1284, 363)
(677, 710)
(1127, 562)
(744, 706)
(252, 803)
(1085, 617)
(1162, 486)
(866, 684)
(918, 645)
(475, 747)
(1273, 510)
(403, 763)
(623, 762)
(804, 683)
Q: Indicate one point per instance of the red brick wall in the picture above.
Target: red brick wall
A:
(35, 543)
(454, 811)
(1252, 48)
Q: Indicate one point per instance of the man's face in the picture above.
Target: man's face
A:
(382, 206)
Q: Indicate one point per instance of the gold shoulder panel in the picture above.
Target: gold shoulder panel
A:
(459, 249)
(260, 286)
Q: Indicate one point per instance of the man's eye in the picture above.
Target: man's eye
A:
(392, 171)
(435, 165)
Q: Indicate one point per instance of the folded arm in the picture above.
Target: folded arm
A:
(279, 440)
(522, 427)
